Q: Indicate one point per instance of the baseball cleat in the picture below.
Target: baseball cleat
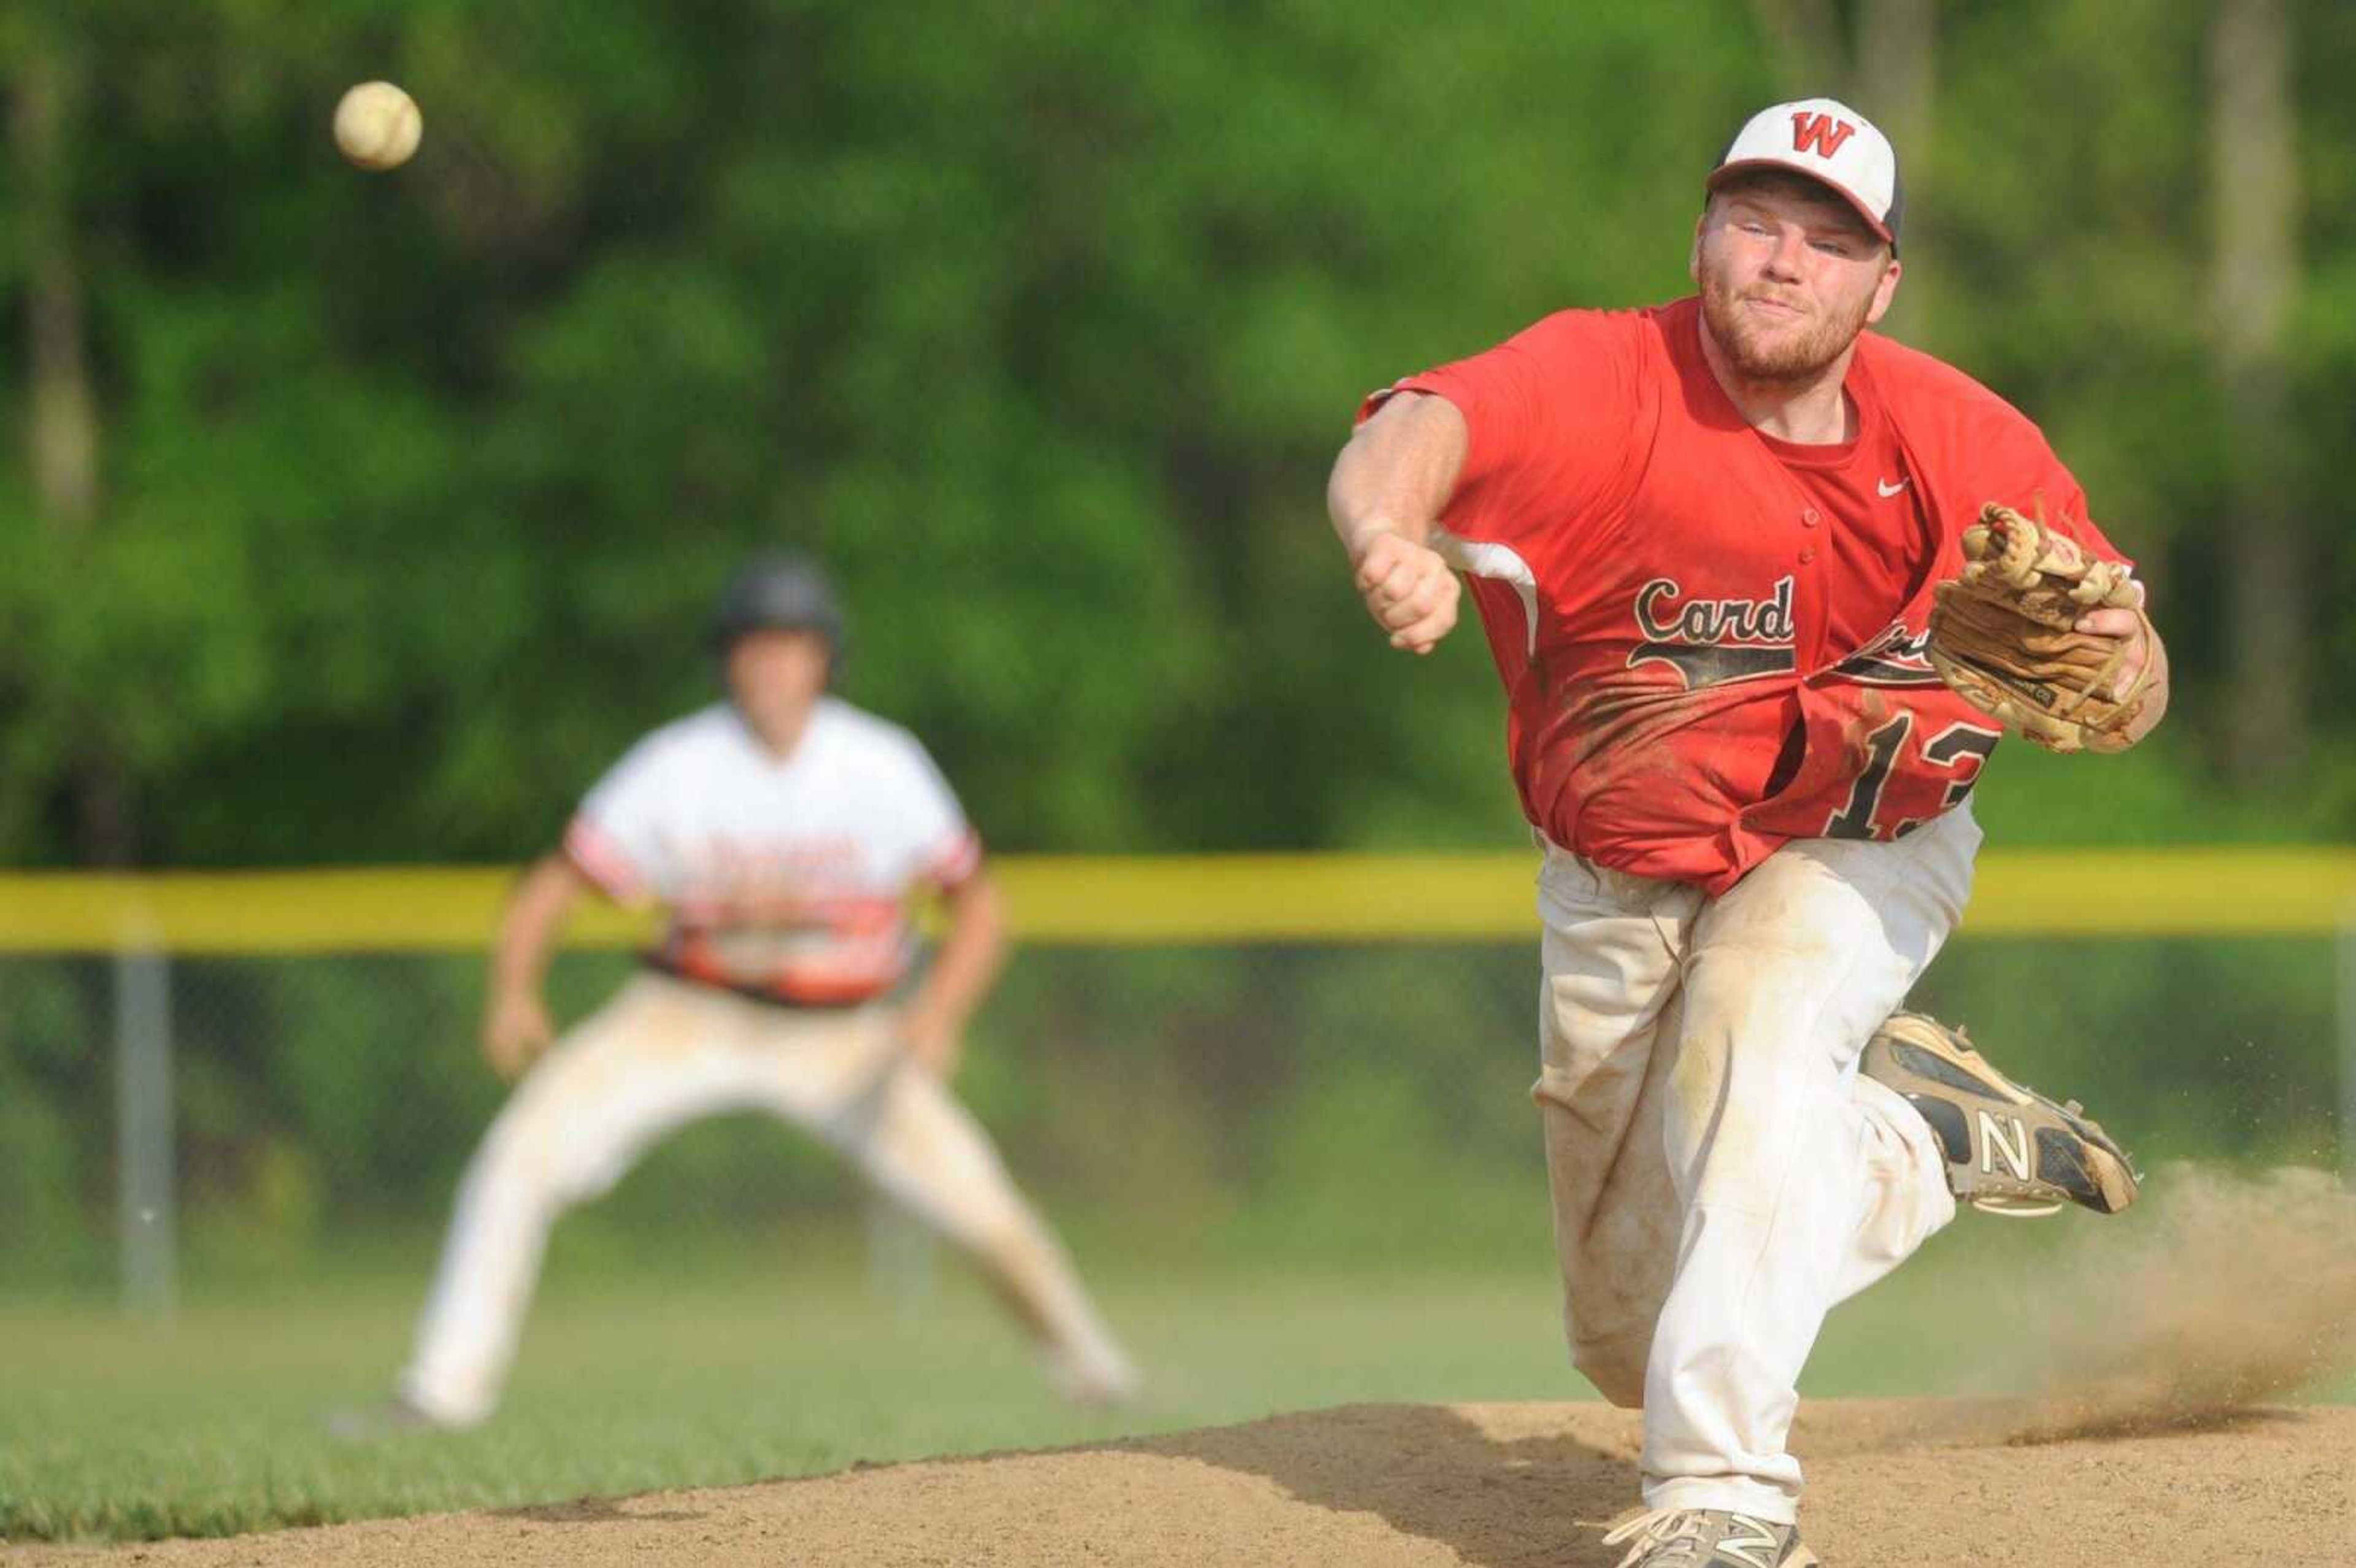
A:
(1097, 1379)
(392, 1417)
(2010, 1150)
(1706, 1537)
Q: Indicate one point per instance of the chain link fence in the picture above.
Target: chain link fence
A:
(210, 1120)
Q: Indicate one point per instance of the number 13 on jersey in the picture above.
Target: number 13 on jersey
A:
(1960, 748)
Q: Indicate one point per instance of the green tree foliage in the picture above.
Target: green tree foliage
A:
(1042, 322)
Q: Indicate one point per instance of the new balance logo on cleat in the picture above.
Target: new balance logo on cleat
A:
(1706, 1537)
(1751, 1542)
(2009, 1150)
(2015, 1149)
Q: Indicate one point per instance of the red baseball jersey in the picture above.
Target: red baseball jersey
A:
(1712, 640)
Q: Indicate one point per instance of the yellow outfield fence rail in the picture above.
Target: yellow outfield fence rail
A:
(1163, 901)
(152, 1040)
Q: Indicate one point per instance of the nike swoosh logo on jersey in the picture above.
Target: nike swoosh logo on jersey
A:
(1887, 489)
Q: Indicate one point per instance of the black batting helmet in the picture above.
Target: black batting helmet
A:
(778, 591)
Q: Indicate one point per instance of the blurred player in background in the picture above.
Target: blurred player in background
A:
(1703, 541)
(785, 832)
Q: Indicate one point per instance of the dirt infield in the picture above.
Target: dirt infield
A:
(1892, 1484)
(2163, 1349)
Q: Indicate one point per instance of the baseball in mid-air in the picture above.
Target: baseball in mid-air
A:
(377, 126)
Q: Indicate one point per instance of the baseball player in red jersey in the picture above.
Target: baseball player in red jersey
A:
(1701, 539)
(787, 834)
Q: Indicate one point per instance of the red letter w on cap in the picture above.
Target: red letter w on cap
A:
(1826, 131)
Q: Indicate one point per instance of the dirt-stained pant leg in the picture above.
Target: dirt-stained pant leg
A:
(662, 1054)
(1613, 949)
(1799, 1183)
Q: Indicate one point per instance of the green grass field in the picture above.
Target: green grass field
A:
(664, 1376)
(630, 1384)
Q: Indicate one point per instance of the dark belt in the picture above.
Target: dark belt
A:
(661, 962)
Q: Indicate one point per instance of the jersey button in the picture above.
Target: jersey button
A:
(1806, 556)
(1809, 518)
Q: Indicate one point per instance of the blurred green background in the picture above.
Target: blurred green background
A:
(365, 519)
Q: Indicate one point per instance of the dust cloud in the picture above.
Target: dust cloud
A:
(2218, 1293)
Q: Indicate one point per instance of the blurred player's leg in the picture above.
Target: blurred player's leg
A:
(660, 1054)
(664, 1053)
(1798, 1187)
(917, 1144)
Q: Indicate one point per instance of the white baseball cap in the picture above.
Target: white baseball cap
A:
(1830, 143)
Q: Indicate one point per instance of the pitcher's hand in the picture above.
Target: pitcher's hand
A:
(1408, 589)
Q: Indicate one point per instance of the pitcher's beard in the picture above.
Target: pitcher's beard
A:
(1792, 359)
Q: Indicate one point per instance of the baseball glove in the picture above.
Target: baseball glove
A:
(2001, 635)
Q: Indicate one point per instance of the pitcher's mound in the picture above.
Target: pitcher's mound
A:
(1891, 1485)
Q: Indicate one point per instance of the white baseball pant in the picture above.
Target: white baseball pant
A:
(1721, 1175)
(664, 1053)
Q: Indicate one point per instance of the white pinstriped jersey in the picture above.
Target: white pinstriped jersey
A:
(791, 875)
